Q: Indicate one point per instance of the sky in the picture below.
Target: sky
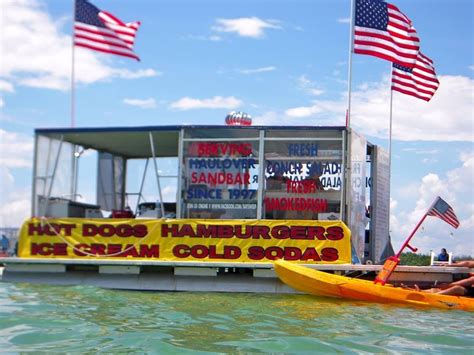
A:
(284, 62)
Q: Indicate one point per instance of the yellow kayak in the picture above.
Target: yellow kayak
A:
(320, 283)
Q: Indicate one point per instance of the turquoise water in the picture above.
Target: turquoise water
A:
(88, 319)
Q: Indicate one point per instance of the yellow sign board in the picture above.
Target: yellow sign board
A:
(196, 240)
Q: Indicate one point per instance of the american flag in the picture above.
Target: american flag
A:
(101, 31)
(383, 31)
(420, 81)
(441, 209)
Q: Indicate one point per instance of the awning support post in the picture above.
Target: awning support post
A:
(152, 144)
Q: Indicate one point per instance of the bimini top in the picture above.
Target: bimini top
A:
(134, 142)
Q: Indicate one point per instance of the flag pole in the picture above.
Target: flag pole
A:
(392, 262)
(406, 244)
(390, 148)
(73, 89)
(390, 128)
(351, 49)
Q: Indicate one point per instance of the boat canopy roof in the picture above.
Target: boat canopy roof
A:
(134, 142)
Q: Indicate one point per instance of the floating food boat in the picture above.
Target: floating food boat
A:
(324, 284)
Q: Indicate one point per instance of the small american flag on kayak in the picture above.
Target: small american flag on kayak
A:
(420, 81)
(101, 31)
(383, 31)
(441, 209)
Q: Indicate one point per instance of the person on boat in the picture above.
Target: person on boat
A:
(4, 243)
(443, 256)
(463, 263)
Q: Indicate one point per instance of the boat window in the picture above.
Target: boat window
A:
(220, 177)
(303, 175)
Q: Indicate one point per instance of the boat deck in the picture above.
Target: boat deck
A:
(195, 276)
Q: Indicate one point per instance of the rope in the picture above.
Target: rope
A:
(44, 221)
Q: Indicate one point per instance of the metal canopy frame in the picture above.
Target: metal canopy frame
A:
(152, 142)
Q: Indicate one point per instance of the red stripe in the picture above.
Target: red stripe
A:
(397, 35)
(106, 33)
(108, 51)
(124, 32)
(406, 92)
(399, 17)
(397, 74)
(383, 56)
(386, 47)
(104, 42)
(118, 30)
(454, 222)
(387, 38)
(421, 89)
(413, 86)
(113, 17)
(431, 73)
(426, 58)
(400, 27)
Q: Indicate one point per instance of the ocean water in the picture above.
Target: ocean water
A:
(85, 319)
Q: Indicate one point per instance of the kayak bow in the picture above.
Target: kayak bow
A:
(320, 283)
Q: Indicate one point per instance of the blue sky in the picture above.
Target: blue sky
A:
(282, 61)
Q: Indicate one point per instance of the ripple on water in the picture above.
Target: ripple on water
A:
(87, 319)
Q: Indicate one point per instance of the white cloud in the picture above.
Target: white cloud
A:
(448, 116)
(267, 118)
(188, 103)
(146, 103)
(315, 92)
(213, 38)
(142, 73)
(299, 112)
(16, 152)
(421, 151)
(308, 86)
(257, 70)
(2, 103)
(36, 53)
(344, 20)
(456, 188)
(16, 209)
(245, 26)
(429, 160)
(6, 86)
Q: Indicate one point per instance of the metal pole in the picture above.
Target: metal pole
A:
(342, 210)
(349, 79)
(261, 173)
(152, 144)
(181, 166)
(34, 201)
(406, 244)
(390, 151)
(141, 186)
(53, 176)
(73, 91)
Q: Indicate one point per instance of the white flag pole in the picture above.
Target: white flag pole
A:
(73, 89)
(349, 78)
(391, 121)
(390, 147)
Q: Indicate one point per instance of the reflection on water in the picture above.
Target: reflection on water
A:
(83, 318)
